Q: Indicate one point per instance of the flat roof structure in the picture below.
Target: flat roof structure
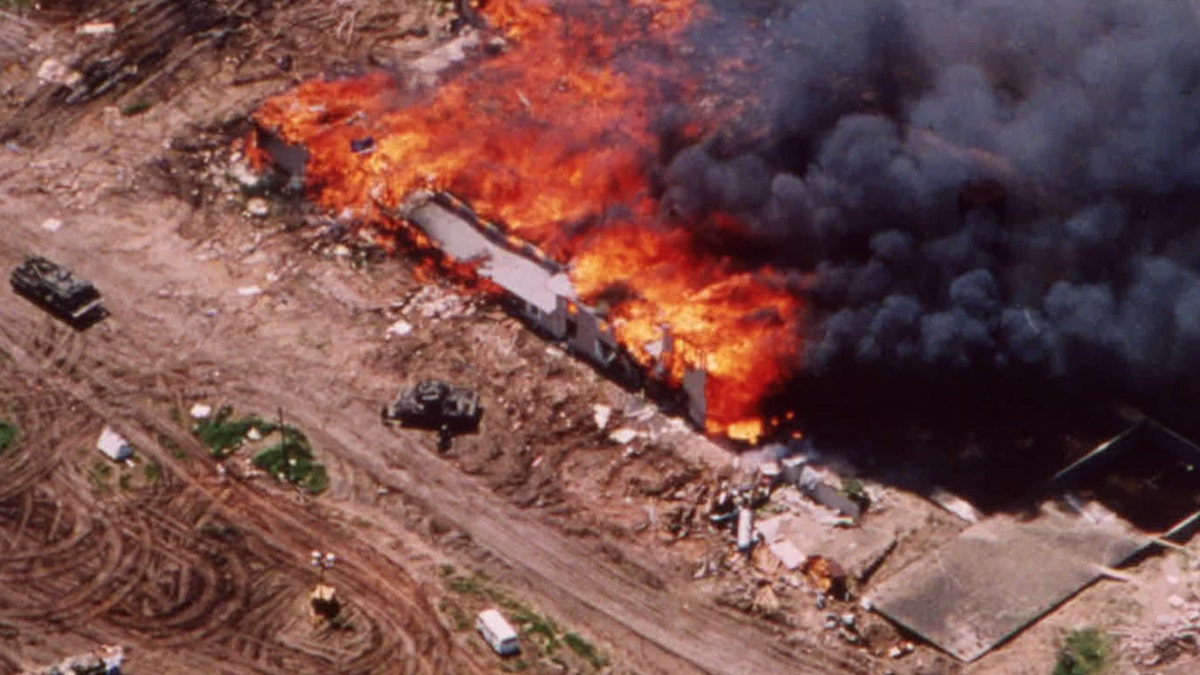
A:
(1000, 575)
(521, 276)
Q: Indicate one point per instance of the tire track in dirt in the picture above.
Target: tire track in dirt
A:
(159, 582)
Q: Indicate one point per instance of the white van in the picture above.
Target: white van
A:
(494, 628)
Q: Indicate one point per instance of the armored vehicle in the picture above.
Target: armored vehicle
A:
(56, 290)
(433, 404)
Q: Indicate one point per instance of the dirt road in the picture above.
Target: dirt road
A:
(209, 305)
(162, 344)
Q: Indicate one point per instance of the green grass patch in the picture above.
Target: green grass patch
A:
(290, 459)
(473, 585)
(462, 622)
(585, 650)
(1084, 652)
(8, 435)
(152, 471)
(536, 626)
(853, 489)
(136, 108)
(222, 434)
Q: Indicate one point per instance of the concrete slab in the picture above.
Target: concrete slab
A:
(794, 538)
(1002, 574)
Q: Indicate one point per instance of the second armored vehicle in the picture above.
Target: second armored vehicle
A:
(55, 289)
(433, 404)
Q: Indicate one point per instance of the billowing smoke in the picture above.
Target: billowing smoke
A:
(977, 184)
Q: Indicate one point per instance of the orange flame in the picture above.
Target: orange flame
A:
(550, 135)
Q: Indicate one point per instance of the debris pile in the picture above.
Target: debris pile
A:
(432, 302)
(106, 660)
(1170, 633)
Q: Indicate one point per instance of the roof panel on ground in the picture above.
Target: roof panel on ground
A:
(998, 576)
(462, 241)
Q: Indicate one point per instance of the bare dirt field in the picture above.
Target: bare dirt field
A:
(200, 565)
(198, 570)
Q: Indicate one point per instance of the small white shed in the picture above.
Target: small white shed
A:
(114, 445)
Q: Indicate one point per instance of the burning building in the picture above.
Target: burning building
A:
(867, 190)
(539, 291)
(554, 138)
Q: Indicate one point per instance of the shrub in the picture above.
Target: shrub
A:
(291, 459)
(8, 435)
(586, 650)
(222, 434)
(1084, 652)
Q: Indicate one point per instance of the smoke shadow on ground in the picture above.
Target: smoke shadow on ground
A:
(995, 441)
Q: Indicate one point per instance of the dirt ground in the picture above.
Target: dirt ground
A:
(200, 570)
(128, 177)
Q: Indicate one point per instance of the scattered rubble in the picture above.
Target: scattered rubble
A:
(106, 660)
(257, 207)
(602, 413)
(399, 329)
(624, 435)
(901, 650)
(433, 302)
(53, 71)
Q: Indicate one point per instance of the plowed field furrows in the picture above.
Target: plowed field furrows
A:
(171, 565)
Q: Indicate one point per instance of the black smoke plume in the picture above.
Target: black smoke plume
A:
(994, 186)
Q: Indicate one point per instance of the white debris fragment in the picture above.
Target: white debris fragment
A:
(53, 71)
(244, 175)
(52, 224)
(624, 435)
(112, 656)
(253, 434)
(955, 504)
(95, 28)
(249, 291)
(201, 411)
(257, 207)
(901, 650)
(113, 445)
(399, 329)
(602, 414)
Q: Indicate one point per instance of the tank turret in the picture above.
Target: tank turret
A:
(433, 404)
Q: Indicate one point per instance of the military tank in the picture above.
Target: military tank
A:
(435, 405)
(55, 289)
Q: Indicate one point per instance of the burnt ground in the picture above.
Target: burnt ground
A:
(128, 176)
